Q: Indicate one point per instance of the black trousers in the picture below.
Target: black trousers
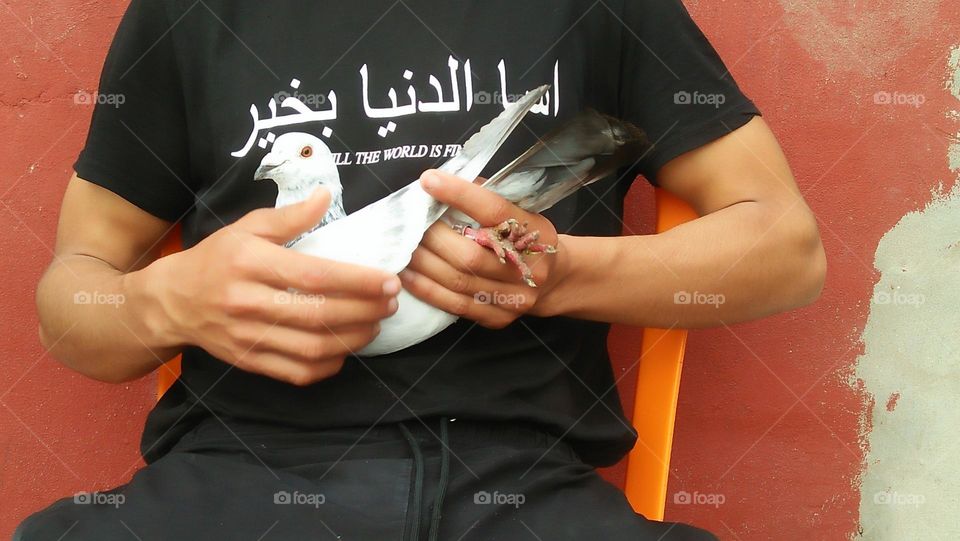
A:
(439, 479)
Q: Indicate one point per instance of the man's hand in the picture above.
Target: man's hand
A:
(461, 277)
(230, 295)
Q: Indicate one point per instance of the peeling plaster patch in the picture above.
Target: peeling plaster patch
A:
(953, 70)
(953, 154)
(909, 488)
(953, 85)
(912, 355)
(864, 38)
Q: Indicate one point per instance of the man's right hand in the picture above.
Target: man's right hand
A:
(231, 295)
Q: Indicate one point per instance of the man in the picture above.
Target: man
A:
(489, 430)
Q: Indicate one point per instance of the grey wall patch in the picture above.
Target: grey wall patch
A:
(911, 366)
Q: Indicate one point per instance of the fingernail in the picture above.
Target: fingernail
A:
(391, 286)
(430, 180)
(393, 305)
(407, 274)
(376, 328)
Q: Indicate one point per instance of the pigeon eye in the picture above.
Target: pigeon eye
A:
(306, 151)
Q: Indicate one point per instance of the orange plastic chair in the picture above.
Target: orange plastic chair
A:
(658, 385)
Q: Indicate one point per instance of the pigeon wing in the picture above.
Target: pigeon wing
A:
(589, 147)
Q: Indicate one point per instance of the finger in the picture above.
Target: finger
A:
(465, 254)
(284, 268)
(314, 347)
(438, 270)
(307, 311)
(279, 225)
(479, 203)
(470, 307)
(322, 312)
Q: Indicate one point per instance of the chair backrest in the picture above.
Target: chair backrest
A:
(658, 385)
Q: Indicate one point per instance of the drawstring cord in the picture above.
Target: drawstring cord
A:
(414, 534)
(418, 465)
(444, 478)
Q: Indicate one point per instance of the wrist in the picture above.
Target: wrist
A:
(149, 290)
(562, 295)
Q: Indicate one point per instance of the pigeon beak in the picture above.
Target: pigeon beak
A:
(270, 162)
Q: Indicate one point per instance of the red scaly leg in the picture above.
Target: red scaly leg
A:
(486, 237)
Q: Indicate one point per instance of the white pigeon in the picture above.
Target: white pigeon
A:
(385, 233)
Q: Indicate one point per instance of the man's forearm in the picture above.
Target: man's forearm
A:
(739, 263)
(93, 319)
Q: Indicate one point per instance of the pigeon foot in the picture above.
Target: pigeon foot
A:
(510, 240)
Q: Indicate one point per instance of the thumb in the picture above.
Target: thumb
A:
(279, 225)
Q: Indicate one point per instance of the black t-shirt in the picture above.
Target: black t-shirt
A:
(392, 89)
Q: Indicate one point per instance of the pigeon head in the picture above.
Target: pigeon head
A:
(299, 163)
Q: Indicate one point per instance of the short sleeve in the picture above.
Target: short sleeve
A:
(673, 83)
(137, 145)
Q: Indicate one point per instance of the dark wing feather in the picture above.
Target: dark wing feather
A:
(589, 147)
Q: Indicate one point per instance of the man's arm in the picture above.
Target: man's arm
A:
(86, 321)
(111, 310)
(756, 244)
(755, 249)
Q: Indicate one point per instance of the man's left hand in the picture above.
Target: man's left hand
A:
(458, 276)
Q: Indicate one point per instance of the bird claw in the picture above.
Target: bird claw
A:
(510, 241)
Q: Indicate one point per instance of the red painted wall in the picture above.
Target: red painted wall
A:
(767, 417)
